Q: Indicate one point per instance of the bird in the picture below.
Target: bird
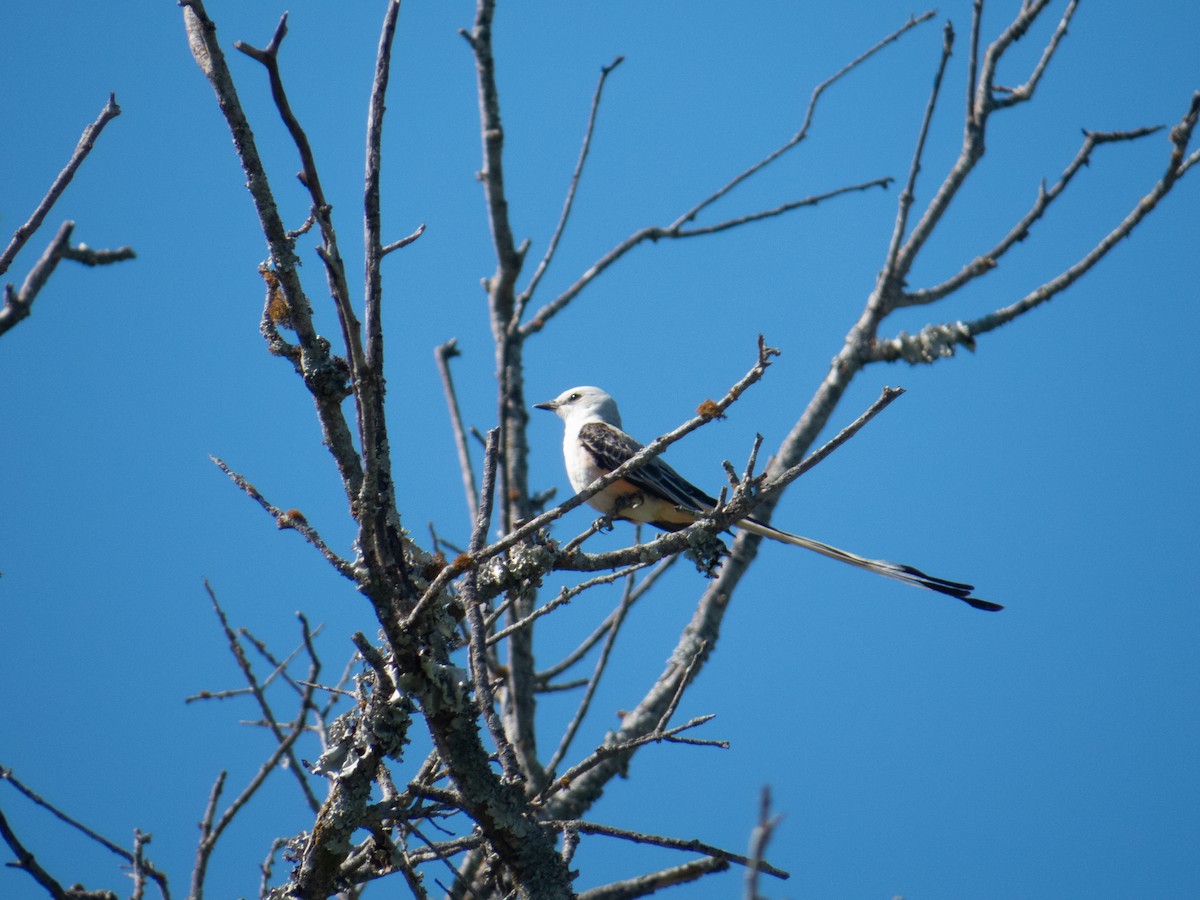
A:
(594, 445)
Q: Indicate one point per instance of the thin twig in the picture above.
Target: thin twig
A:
(602, 523)
(268, 864)
(523, 298)
(280, 666)
(907, 195)
(813, 200)
(566, 595)
(290, 519)
(443, 353)
(477, 630)
(638, 837)
(443, 850)
(140, 871)
(676, 228)
(759, 838)
(621, 748)
(19, 304)
(86, 142)
(701, 647)
(973, 61)
(404, 241)
(653, 882)
(591, 640)
(561, 686)
(585, 703)
(239, 654)
(204, 849)
(372, 403)
(28, 862)
(508, 258)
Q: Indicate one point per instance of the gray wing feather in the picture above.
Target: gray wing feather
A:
(610, 447)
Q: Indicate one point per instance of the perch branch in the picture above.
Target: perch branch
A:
(651, 450)
(729, 514)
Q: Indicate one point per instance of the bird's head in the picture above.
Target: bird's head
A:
(583, 404)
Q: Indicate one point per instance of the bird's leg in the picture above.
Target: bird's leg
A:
(604, 523)
(624, 502)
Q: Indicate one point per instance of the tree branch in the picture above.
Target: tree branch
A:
(601, 664)
(86, 142)
(146, 867)
(477, 630)
(974, 142)
(443, 353)
(19, 304)
(693, 846)
(291, 518)
(523, 298)
(644, 885)
(322, 373)
(28, 862)
(651, 450)
(988, 260)
(907, 196)
(676, 229)
(937, 341)
(239, 654)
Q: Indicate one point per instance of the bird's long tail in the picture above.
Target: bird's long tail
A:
(907, 574)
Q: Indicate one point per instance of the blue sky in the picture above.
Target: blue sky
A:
(913, 745)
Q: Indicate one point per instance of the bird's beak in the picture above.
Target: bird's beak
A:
(549, 404)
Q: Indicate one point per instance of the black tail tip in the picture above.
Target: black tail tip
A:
(986, 605)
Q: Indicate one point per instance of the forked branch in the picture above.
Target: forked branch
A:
(19, 304)
(678, 229)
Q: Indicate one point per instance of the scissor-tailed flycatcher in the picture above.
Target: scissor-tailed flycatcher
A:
(594, 445)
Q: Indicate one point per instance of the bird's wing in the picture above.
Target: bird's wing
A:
(610, 447)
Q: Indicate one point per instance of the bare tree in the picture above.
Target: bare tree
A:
(490, 811)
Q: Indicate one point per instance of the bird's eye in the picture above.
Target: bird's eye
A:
(573, 398)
